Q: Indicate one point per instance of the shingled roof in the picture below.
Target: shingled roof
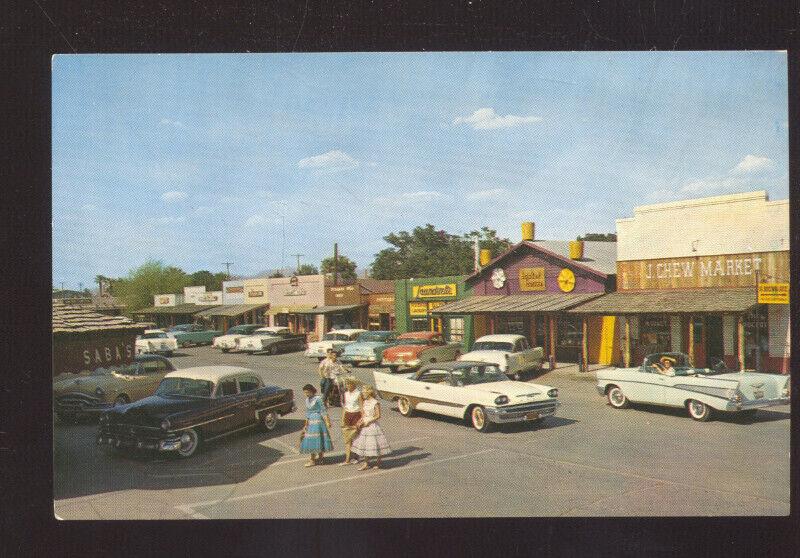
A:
(78, 318)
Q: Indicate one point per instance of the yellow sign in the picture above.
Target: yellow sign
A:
(418, 308)
(566, 280)
(435, 305)
(433, 291)
(773, 293)
(531, 279)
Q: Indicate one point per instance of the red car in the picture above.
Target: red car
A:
(417, 348)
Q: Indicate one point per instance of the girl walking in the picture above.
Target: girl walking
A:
(371, 441)
(316, 436)
(351, 415)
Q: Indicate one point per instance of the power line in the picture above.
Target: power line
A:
(298, 256)
(228, 267)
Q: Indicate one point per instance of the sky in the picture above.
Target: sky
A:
(197, 160)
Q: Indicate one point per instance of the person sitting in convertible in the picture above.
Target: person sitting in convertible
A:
(665, 367)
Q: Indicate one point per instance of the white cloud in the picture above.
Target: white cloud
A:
(174, 195)
(170, 122)
(203, 210)
(489, 193)
(255, 220)
(488, 119)
(167, 220)
(421, 194)
(332, 160)
(752, 164)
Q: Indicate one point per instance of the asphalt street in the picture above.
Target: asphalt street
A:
(588, 460)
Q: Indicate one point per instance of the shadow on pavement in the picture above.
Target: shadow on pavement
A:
(402, 457)
(761, 415)
(83, 468)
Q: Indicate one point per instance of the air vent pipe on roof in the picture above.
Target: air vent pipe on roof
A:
(576, 249)
(528, 230)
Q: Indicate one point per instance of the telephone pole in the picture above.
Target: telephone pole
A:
(228, 267)
(298, 256)
(335, 263)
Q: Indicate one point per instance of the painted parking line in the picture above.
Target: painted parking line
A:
(189, 509)
(291, 448)
(341, 453)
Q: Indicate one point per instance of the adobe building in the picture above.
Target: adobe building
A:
(528, 290)
(85, 340)
(708, 277)
(379, 295)
(234, 310)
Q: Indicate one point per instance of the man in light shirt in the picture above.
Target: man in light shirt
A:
(330, 370)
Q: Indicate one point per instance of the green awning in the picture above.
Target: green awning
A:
(330, 309)
(230, 310)
(186, 308)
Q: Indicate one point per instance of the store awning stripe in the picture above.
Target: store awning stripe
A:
(552, 302)
(656, 302)
(230, 310)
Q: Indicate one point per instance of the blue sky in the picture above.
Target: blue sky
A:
(200, 159)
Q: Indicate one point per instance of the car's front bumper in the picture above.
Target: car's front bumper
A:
(139, 437)
(521, 413)
(80, 404)
(359, 358)
(601, 390)
(401, 363)
(756, 404)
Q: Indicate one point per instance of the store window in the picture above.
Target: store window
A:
(654, 334)
(420, 324)
(515, 325)
(756, 334)
(569, 338)
(455, 327)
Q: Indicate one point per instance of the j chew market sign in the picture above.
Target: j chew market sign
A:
(732, 270)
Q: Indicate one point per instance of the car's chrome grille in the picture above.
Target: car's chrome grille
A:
(542, 407)
(131, 432)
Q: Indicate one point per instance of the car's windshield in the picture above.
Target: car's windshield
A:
(335, 337)
(493, 346)
(264, 334)
(239, 329)
(184, 387)
(482, 374)
(372, 336)
(155, 335)
(183, 327)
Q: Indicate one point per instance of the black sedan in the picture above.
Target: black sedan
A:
(193, 406)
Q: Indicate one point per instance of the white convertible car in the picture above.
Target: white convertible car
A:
(336, 339)
(701, 391)
(511, 353)
(474, 391)
(156, 341)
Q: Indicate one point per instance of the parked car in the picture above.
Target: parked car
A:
(419, 347)
(701, 391)
(274, 340)
(156, 341)
(194, 406)
(337, 339)
(230, 341)
(193, 334)
(368, 348)
(511, 353)
(91, 392)
(477, 392)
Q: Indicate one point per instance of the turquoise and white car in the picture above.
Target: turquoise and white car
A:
(336, 339)
(701, 391)
(368, 347)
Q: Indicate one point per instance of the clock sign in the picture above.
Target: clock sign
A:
(498, 278)
(566, 280)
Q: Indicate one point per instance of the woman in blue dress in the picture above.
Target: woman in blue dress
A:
(316, 436)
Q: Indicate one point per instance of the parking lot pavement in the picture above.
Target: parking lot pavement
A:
(587, 460)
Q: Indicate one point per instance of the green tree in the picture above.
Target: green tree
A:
(211, 281)
(346, 268)
(428, 252)
(136, 290)
(307, 269)
(277, 274)
(602, 237)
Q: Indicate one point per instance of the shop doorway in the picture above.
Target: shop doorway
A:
(715, 349)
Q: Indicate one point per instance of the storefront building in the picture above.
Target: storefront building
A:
(233, 292)
(415, 301)
(85, 340)
(528, 289)
(379, 295)
(228, 315)
(169, 310)
(290, 297)
(688, 276)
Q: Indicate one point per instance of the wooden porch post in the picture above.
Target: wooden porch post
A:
(740, 336)
(491, 323)
(627, 342)
(691, 340)
(585, 344)
(552, 342)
